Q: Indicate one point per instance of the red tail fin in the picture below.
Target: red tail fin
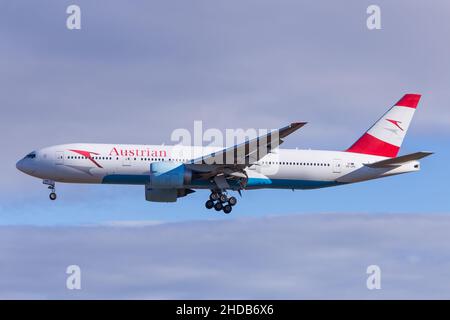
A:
(385, 137)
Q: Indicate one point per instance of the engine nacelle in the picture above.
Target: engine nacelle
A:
(165, 195)
(169, 175)
(161, 195)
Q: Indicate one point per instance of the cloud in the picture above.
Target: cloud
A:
(137, 71)
(286, 257)
(131, 68)
(263, 65)
(132, 223)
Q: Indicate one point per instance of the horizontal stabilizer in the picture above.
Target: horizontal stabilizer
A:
(398, 161)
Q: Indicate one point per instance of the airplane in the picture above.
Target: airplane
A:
(170, 172)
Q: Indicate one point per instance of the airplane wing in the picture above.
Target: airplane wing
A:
(229, 163)
(250, 151)
(398, 161)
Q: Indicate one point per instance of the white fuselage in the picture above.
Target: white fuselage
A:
(130, 164)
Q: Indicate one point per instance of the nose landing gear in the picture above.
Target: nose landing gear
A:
(52, 196)
(220, 202)
(51, 186)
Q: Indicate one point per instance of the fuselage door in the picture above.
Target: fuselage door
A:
(337, 165)
(59, 157)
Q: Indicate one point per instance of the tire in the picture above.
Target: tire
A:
(223, 198)
(52, 196)
(209, 204)
(227, 209)
(214, 196)
(218, 206)
(232, 201)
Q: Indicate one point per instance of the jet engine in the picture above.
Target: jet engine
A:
(165, 195)
(167, 182)
(169, 175)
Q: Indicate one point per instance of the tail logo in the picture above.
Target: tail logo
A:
(395, 123)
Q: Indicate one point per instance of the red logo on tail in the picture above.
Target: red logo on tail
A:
(396, 123)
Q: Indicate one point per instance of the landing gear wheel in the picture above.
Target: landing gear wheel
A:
(232, 201)
(218, 206)
(214, 196)
(209, 204)
(223, 198)
(51, 186)
(227, 209)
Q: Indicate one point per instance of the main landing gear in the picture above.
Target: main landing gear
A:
(220, 202)
(51, 186)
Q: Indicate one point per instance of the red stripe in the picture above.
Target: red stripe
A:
(368, 144)
(409, 100)
(88, 155)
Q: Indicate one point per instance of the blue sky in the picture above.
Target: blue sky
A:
(134, 73)
(137, 71)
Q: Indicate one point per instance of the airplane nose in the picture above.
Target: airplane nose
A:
(24, 166)
(19, 165)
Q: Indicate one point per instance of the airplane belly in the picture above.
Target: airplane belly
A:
(93, 175)
(290, 178)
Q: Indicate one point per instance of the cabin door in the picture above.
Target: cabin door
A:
(337, 166)
(59, 157)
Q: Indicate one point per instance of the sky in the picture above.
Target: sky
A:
(310, 256)
(137, 71)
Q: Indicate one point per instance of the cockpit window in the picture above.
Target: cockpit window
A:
(31, 155)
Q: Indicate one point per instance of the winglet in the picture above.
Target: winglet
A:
(294, 126)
